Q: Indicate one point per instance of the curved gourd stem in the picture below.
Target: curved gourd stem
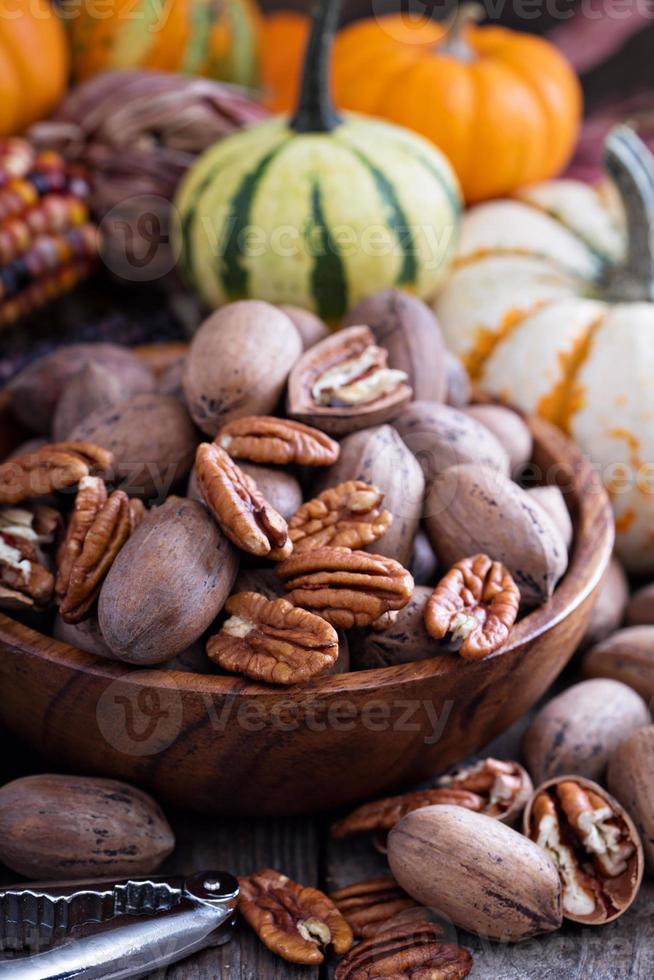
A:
(455, 44)
(630, 164)
(315, 112)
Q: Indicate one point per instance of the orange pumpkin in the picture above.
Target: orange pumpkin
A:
(33, 64)
(284, 38)
(503, 106)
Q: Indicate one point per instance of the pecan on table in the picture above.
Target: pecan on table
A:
(371, 907)
(593, 844)
(272, 640)
(55, 466)
(94, 547)
(474, 606)
(268, 440)
(25, 581)
(504, 786)
(239, 507)
(411, 951)
(347, 588)
(349, 515)
(295, 922)
(344, 383)
(382, 815)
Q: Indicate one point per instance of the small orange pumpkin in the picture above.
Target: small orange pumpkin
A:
(33, 64)
(503, 106)
(283, 41)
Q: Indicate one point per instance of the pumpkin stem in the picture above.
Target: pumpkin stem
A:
(315, 112)
(461, 17)
(631, 166)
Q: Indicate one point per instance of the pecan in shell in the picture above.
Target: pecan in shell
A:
(264, 439)
(347, 588)
(370, 907)
(55, 466)
(238, 506)
(475, 605)
(594, 845)
(272, 640)
(411, 951)
(382, 815)
(343, 384)
(293, 921)
(106, 535)
(504, 786)
(349, 515)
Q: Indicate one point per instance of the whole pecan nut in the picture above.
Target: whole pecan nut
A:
(238, 506)
(347, 588)
(264, 439)
(371, 907)
(104, 537)
(293, 921)
(593, 844)
(55, 466)
(272, 640)
(382, 815)
(474, 605)
(345, 516)
(25, 581)
(412, 951)
(344, 383)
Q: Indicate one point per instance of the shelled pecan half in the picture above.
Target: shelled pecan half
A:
(268, 440)
(371, 907)
(25, 581)
(347, 588)
(272, 640)
(474, 606)
(56, 466)
(349, 515)
(504, 786)
(411, 951)
(96, 545)
(295, 922)
(593, 843)
(238, 506)
(382, 815)
(343, 384)
(91, 497)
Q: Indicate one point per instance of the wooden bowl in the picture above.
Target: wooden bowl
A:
(225, 745)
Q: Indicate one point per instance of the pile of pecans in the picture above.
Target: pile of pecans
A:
(331, 500)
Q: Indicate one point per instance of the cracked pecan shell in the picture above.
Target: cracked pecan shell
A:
(411, 951)
(347, 588)
(264, 439)
(504, 786)
(344, 384)
(474, 605)
(56, 466)
(349, 515)
(238, 506)
(272, 640)
(370, 907)
(382, 815)
(293, 921)
(106, 535)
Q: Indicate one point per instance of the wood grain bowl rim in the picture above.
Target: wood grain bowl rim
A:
(589, 557)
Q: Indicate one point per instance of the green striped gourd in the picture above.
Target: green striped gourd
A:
(320, 210)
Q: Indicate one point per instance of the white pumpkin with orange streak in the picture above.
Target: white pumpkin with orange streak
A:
(550, 305)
